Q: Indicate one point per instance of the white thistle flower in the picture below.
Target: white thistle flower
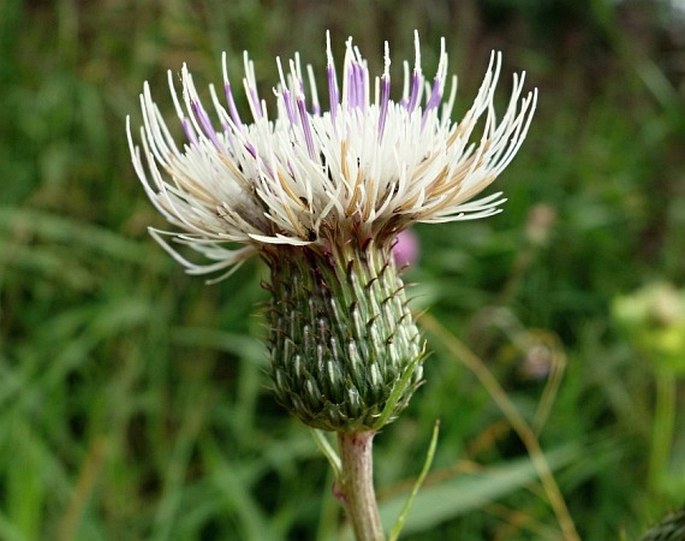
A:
(367, 167)
(321, 196)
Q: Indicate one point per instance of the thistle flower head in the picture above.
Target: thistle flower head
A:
(367, 167)
(321, 195)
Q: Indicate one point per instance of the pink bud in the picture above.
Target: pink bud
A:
(406, 248)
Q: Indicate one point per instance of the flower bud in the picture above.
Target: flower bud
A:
(346, 354)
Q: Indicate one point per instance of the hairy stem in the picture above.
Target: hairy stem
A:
(355, 485)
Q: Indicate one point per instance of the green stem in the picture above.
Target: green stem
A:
(355, 485)
(664, 423)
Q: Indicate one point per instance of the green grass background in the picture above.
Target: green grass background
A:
(133, 400)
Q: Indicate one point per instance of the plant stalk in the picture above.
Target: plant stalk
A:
(664, 427)
(355, 485)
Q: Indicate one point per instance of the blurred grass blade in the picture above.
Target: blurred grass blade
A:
(55, 228)
(402, 519)
(327, 449)
(454, 497)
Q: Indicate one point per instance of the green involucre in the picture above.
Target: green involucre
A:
(342, 336)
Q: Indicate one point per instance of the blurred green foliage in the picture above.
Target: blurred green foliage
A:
(133, 401)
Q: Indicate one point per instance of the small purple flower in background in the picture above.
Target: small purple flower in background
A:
(406, 248)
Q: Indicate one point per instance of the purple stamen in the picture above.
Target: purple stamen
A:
(356, 84)
(285, 94)
(251, 149)
(205, 123)
(350, 88)
(385, 94)
(288, 101)
(231, 105)
(434, 100)
(414, 93)
(352, 85)
(306, 127)
(190, 133)
(363, 75)
(333, 96)
(359, 82)
(331, 75)
(250, 86)
(436, 95)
